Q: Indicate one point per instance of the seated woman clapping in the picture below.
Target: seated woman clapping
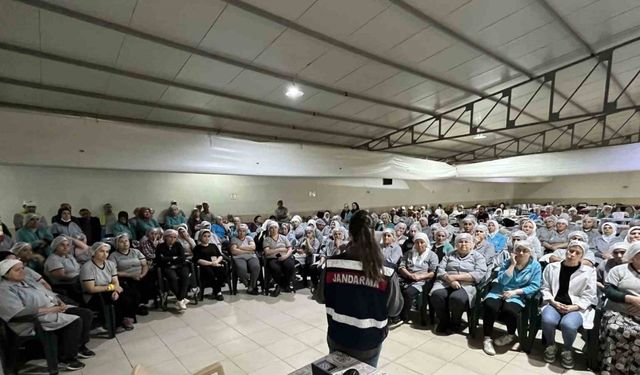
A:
(172, 260)
(279, 260)
(519, 276)
(455, 289)
(568, 293)
(620, 337)
(22, 297)
(213, 271)
(243, 249)
(416, 267)
(133, 272)
(306, 249)
(101, 286)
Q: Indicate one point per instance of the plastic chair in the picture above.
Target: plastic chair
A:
(164, 292)
(13, 342)
(213, 369)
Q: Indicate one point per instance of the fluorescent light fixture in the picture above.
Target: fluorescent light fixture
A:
(294, 92)
(479, 136)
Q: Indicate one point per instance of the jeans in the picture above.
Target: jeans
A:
(569, 324)
(369, 357)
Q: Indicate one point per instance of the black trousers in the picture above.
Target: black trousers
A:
(314, 274)
(409, 294)
(449, 304)
(125, 306)
(282, 271)
(178, 280)
(72, 291)
(495, 308)
(86, 316)
(135, 289)
(213, 277)
(69, 340)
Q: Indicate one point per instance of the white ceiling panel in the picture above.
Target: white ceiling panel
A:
(206, 72)
(154, 59)
(19, 66)
(292, 52)
(438, 8)
(479, 14)
(564, 7)
(254, 84)
(242, 34)
(203, 120)
(72, 38)
(448, 59)
(182, 21)
(123, 109)
(623, 24)
(322, 101)
(350, 107)
(366, 77)
(374, 112)
(133, 88)
(386, 30)
(422, 45)
(160, 114)
(332, 66)
(418, 92)
(290, 9)
(19, 24)
(70, 102)
(395, 85)
(66, 75)
(189, 98)
(18, 94)
(118, 11)
(346, 16)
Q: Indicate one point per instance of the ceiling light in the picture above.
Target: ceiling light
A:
(294, 92)
(479, 136)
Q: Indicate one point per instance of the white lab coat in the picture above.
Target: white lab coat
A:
(582, 289)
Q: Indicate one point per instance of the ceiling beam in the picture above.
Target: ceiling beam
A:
(50, 7)
(574, 33)
(184, 86)
(173, 107)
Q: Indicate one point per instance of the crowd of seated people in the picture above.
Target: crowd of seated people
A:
(570, 259)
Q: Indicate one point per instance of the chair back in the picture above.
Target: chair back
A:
(213, 369)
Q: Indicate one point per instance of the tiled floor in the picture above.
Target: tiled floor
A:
(271, 336)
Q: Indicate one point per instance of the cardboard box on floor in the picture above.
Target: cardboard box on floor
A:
(336, 363)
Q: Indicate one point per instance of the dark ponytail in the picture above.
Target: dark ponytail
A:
(365, 246)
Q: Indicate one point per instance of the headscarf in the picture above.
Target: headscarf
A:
(58, 241)
(202, 232)
(297, 219)
(118, 237)
(617, 245)
(483, 228)
(489, 233)
(204, 225)
(421, 236)
(388, 230)
(96, 246)
(273, 224)
(6, 265)
(583, 245)
(632, 251)
(612, 236)
(182, 226)
(462, 236)
(627, 239)
(170, 232)
(519, 234)
(523, 243)
(20, 247)
(583, 235)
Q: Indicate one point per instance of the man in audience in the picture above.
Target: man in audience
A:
(107, 219)
(90, 225)
(590, 228)
(28, 207)
(206, 215)
(281, 212)
(544, 233)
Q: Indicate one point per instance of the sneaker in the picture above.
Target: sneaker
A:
(72, 365)
(180, 307)
(99, 330)
(219, 296)
(85, 352)
(505, 340)
(185, 302)
(253, 292)
(566, 357)
(487, 346)
(276, 291)
(142, 310)
(127, 324)
(550, 353)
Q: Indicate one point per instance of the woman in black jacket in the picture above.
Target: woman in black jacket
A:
(171, 257)
(213, 271)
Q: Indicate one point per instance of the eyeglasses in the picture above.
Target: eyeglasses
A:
(521, 250)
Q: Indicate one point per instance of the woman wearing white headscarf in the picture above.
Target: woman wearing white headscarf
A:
(485, 247)
(603, 242)
(615, 257)
(620, 334)
(417, 266)
(22, 297)
(188, 243)
(633, 235)
(390, 249)
(529, 227)
(497, 239)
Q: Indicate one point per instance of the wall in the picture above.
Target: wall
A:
(91, 188)
(597, 188)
